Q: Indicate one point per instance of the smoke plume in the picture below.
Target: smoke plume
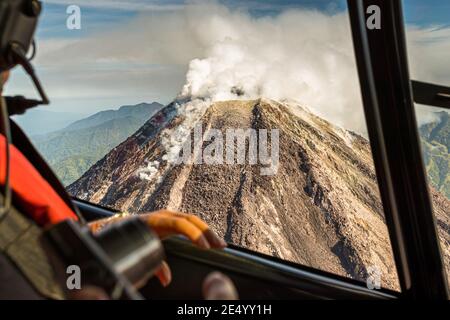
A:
(207, 50)
(305, 56)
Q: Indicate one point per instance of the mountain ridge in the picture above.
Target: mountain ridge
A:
(73, 149)
(321, 209)
(111, 114)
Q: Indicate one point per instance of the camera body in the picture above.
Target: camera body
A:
(122, 255)
(18, 22)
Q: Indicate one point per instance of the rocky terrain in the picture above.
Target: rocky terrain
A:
(322, 207)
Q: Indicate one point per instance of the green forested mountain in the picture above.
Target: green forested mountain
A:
(436, 147)
(72, 150)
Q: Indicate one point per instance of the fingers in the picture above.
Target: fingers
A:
(166, 225)
(218, 286)
(214, 240)
(164, 274)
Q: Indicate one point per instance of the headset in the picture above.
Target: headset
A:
(18, 22)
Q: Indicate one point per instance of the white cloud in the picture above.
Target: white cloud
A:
(429, 50)
(302, 55)
(428, 53)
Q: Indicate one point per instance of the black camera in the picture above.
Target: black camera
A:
(18, 22)
(120, 256)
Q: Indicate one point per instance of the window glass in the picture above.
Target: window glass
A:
(245, 113)
(428, 40)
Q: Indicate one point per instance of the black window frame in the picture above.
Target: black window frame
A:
(392, 126)
(430, 94)
(387, 94)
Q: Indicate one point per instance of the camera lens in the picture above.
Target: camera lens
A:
(133, 247)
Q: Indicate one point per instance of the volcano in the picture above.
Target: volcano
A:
(321, 208)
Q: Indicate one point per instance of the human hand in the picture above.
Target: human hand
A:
(218, 286)
(167, 223)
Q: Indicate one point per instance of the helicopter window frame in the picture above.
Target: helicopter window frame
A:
(387, 93)
(389, 108)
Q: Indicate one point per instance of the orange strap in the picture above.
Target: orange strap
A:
(31, 192)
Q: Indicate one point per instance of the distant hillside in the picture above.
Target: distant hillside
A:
(72, 150)
(37, 121)
(436, 147)
(136, 111)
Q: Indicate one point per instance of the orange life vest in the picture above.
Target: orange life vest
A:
(31, 192)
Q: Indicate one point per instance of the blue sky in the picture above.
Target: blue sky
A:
(101, 15)
(98, 15)
(72, 87)
(427, 12)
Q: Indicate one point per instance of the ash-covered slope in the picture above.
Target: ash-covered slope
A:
(321, 208)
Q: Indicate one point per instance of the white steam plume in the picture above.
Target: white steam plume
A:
(300, 55)
(305, 56)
